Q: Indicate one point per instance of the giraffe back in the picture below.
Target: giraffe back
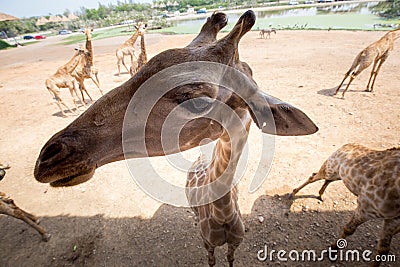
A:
(372, 175)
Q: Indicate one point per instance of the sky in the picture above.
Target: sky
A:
(29, 8)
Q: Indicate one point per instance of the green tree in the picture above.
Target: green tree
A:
(392, 10)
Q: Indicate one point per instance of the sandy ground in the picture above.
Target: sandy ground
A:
(111, 222)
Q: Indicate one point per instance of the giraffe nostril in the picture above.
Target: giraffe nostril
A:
(51, 151)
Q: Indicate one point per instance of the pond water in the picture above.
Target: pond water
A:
(354, 16)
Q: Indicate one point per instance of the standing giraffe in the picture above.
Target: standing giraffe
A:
(377, 53)
(63, 79)
(374, 177)
(127, 48)
(142, 59)
(86, 69)
(8, 207)
(220, 220)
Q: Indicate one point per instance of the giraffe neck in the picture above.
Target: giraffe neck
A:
(222, 169)
(143, 48)
(131, 41)
(72, 63)
(89, 48)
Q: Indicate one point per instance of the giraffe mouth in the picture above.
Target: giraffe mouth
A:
(74, 179)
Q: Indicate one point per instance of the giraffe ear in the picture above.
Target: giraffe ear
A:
(274, 116)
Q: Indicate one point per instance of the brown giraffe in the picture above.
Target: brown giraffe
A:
(142, 59)
(63, 79)
(374, 177)
(127, 48)
(220, 220)
(8, 207)
(376, 53)
(86, 69)
(72, 155)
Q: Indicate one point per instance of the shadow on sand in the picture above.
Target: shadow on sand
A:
(170, 238)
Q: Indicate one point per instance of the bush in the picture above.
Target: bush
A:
(4, 45)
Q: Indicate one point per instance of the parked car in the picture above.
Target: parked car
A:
(308, 2)
(63, 32)
(293, 3)
(28, 37)
(202, 11)
(41, 36)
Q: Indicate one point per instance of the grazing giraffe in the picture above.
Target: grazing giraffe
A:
(376, 53)
(265, 33)
(86, 69)
(374, 177)
(220, 220)
(142, 59)
(8, 207)
(127, 48)
(63, 79)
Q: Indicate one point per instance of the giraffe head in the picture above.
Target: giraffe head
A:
(140, 28)
(172, 82)
(88, 32)
(81, 50)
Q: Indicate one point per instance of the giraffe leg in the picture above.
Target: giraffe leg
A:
(373, 72)
(383, 59)
(352, 77)
(323, 188)
(83, 89)
(313, 178)
(80, 84)
(340, 85)
(61, 103)
(120, 59)
(357, 219)
(390, 228)
(211, 256)
(97, 82)
(75, 91)
(8, 207)
(119, 68)
(123, 63)
(74, 94)
(231, 252)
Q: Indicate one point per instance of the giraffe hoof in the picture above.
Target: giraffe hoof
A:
(46, 237)
(320, 198)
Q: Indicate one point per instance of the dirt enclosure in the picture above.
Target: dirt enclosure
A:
(109, 221)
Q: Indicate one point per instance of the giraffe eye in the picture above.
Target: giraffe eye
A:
(198, 104)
